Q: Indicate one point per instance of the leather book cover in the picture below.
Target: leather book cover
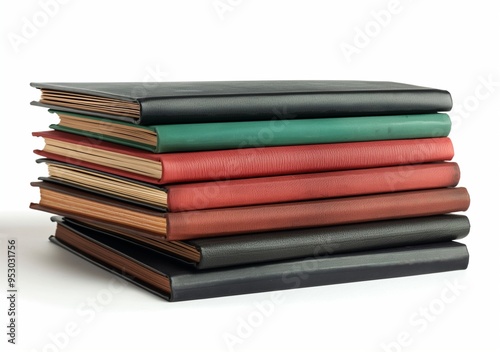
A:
(174, 281)
(247, 134)
(269, 190)
(260, 218)
(257, 162)
(225, 251)
(199, 102)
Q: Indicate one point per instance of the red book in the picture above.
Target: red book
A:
(238, 163)
(259, 190)
(185, 225)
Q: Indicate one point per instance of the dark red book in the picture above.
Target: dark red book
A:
(239, 163)
(185, 225)
(254, 191)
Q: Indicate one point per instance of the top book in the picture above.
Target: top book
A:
(201, 102)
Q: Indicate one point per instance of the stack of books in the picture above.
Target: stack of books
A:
(203, 189)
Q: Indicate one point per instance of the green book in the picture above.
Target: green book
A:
(234, 135)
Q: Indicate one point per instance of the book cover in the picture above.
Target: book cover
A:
(199, 102)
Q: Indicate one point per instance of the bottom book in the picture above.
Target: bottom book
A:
(165, 276)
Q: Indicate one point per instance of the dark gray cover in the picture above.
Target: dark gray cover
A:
(223, 101)
(216, 252)
(280, 245)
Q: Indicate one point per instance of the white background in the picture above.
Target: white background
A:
(447, 44)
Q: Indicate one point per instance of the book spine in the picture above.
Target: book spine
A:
(288, 160)
(322, 270)
(231, 221)
(319, 241)
(232, 135)
(213, 108)
(280, 189)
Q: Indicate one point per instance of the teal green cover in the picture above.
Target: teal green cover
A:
(278, 132)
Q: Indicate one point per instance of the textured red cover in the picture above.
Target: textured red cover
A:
(256, 162)
(230, 221)
(259, 218)
(279, 189)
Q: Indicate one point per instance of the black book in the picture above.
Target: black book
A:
(225, 251)
(201, 102)
(175, 281)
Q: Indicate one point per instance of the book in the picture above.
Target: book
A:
(254, 191)
(174, 281)
(201, 102)
(67, 201)
(247, 134)
(238, 163)
(216, 252)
